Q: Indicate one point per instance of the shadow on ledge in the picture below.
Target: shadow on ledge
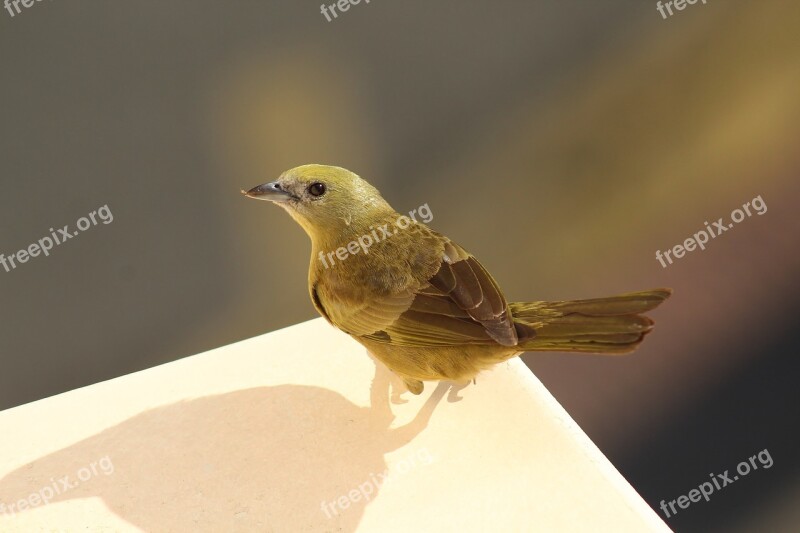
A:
(261, 459)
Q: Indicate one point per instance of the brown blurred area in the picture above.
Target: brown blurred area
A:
(562, 143)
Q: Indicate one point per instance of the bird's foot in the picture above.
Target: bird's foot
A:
(455, 388)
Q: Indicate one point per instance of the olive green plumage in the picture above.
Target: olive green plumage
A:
(422, 304)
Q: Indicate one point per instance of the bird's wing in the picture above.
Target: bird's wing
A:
(458, 304)
(461, 304)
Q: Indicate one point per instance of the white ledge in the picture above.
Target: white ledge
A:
(294, 431)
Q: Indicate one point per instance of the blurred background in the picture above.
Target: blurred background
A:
(562, 143)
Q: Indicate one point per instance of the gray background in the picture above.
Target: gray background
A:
(561, 142)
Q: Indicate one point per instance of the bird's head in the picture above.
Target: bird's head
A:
(325, 200)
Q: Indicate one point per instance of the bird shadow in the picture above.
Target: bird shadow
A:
(258, 459)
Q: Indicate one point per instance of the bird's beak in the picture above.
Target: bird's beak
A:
(268, 191)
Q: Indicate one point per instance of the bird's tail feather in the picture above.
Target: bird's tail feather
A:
(612, 325)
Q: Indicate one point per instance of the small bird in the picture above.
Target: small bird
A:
(422, 304)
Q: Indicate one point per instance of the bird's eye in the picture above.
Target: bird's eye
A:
(316, 189)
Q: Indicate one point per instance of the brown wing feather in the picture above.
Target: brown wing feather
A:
(446, 299)
(462, 304)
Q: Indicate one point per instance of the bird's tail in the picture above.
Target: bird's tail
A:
(612, 325)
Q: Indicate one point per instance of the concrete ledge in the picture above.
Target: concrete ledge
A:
(294, 431)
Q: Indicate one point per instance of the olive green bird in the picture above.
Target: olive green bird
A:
(422, 304)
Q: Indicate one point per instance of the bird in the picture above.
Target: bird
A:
(422, 304)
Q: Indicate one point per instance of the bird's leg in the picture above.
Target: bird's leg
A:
(380, 388)
(397, 393)
(414, 386)
(455, 387)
